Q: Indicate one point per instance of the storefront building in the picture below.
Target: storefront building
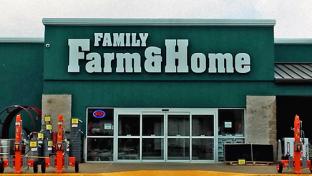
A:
(170, 90)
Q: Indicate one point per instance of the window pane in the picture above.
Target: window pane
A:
(202, 149)
(231, 122)
(153, 149)
(202, 125)
(153, 125)
(178, 125)
(179, 149)
(100, 122)
(129, 149)
(129, 125)
(100, 149)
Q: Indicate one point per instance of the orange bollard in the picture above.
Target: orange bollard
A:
(59, 145)
(59, 162)
(297, 146)
(17, 149)
(18, 162)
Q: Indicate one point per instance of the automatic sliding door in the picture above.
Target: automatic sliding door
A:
(166, 136)
(178, 140)
(152, 136)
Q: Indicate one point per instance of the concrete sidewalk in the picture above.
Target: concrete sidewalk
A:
(167, 169)
(117, 167)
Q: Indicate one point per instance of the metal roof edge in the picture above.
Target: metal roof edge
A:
(292, 81)
(292, 62)
(21, 40)
(156, 22)
(293, 41)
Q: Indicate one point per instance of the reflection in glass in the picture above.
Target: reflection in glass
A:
(179, 149)
(152, 149)
(100, 149)
(129, 148)
(231, 122)
(202, 125)
(129, 125)
(202, 149)
(153, 125)
(178, 125)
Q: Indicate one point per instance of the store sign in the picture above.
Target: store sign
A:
(176, 56)
(99, 114)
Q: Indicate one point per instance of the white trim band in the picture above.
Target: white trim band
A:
(156, 22)
(293, 41)
(21, 40)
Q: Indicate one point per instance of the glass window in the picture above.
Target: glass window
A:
(129, 125)
(178, 125)
(129, 148)
(153, 125)
(153, 149)
(100, 149)
(231, 122)
(179, 149)
(202, 125)
(202, 149)
(100, 122)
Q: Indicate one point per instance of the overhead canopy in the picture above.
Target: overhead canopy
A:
(293, 72)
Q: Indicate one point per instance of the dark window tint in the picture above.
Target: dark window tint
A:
(231, 122)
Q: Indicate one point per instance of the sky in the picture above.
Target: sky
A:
(23, 18)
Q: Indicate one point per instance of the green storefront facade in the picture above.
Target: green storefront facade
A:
(171, 90)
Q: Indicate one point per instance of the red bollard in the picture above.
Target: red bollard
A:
(297, 146)
(18, 161)
(59, 145)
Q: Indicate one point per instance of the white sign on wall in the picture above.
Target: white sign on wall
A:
(175, 61)
(227, 124)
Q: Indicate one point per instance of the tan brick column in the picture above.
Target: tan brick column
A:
(260, 120)
(54, 104)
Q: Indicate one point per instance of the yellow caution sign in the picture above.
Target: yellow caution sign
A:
(75, 120)
(50, 143)
(49, 127)
(241, 161)
(40, 136)
(33, 144)
(47, 118)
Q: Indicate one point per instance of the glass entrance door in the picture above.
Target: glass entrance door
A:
(174, 136)
(178, 138)
(153, 136)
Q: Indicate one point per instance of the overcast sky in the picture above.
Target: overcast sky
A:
(23, 18)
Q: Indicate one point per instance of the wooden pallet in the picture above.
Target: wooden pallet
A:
(250, 163)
